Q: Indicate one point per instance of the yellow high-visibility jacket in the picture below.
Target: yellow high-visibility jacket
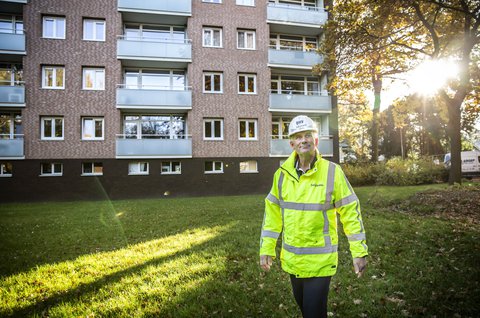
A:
(304, 210)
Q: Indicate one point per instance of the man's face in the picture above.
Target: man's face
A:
(304, 142)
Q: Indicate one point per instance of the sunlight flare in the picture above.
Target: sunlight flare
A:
(430, 76)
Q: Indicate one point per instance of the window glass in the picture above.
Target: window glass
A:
(155, 127)
(212, 37)
(213, 167)
(246, 39)
(52, 128)
(92, 128)
(92, 168)
(248, 129)
(94, 30)
(53, 77)
(171, 167)
(6, 169)
(212, 82)
(53, 27)
(138, 168)
(248, 166)
(94, 78)
(51, 169)
(213, 129)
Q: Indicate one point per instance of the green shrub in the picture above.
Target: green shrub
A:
(395, 171)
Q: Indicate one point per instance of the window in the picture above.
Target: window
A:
(11, 24)
(53, 77)
(5, 169)
(11, 125)
(213, 129)
(296, 85)
(246, 2)
(54, 27)
(93, 78)
(93, 30)
(92, 169)
(280, 126)
(293, 42)
(213, 167)
(213, 82)
(154, 32)
(171, 167)
(248, 166)
(138, 168)
(246, 39)
(51, 169)
(212, 37)
(212, 1)
(92, 128)
(155, 79)
(11, 74)
(52, 128)
(154, 126)
(247, 129)
(247, 83)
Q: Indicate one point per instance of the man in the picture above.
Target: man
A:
(307, 193)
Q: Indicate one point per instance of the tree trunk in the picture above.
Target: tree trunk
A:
(377, 89)
(454, 115)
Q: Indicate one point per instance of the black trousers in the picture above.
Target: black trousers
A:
(311, 295)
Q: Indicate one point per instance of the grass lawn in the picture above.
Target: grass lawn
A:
(197, 257)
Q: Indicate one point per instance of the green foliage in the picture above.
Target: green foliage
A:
(396, 172)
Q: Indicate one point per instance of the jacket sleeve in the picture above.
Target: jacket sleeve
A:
(272, 221)
(348, 207)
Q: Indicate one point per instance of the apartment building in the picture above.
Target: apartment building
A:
(125, 98)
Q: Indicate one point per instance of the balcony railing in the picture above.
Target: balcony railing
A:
(300, 101)
(12, 95)
(11, 146)
(281, 147)
(154, 97)
(177, 7)
(292, 57)
(154, 146)
(145, 48)
(12, 43)
(296, 14)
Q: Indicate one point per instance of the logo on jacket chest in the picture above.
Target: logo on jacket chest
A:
(316, 185)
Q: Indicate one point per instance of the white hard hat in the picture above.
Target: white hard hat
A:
(301, 123)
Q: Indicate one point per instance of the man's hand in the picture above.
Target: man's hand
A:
(359, 265)
(265, 262)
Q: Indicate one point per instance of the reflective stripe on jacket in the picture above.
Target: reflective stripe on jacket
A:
(304, 209)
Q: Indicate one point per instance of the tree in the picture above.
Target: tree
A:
(359, 53)
(447, 29)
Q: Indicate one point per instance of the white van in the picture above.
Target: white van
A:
(470, 163)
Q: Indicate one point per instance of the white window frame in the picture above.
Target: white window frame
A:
(53, 165)
(247, 123)
(93, 165)
(211, 31)
(170, 165)
(212, 122)
(246, 78)
(54, 77)
(95, 37)
(3, 170)
(248, 3)
(212, 77)
(214, 171)
(52, 119)
(94, 120)
(253, 32)
(55, 20)
(138, 171)
(247, 163)
(212, 1)
(98, 76)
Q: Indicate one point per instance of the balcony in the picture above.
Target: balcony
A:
(11, 147)
(293, 58)
(148, 11)
(11, 43)
(141, 52)
(15, 1)
(157, 97)
(281, 147)
(12, 96)
(153, 147)
(298, 102)
(289, 19)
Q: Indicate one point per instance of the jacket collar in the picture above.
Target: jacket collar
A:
(289, 165)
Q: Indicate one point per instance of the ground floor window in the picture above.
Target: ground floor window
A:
(5, 169)
(213, 167)
(249, 166)
(138, 168)
(51, 169)
(92, 169)
(171, 167)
